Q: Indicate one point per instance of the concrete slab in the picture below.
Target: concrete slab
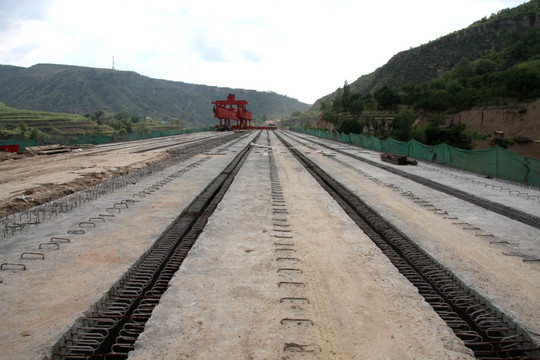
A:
(484, 249)
(289, 277)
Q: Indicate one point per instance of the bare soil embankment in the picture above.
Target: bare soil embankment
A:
(505, 122)
(30, 181)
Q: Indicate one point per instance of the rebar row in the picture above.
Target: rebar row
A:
(482, 327)
(110, 328)
(518, 193)
(12, 223)
(295, 321)
(91, 223)
(498, 208)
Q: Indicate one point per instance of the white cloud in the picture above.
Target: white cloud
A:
(300, 48)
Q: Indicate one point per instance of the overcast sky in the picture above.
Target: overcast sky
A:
(304, 49)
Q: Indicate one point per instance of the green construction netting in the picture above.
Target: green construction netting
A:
(395, 147)
(512, 166)
(480, 161)
(533, 174)
(439, 154)
(366, 141)
(23, 143)
(344, 138)
(496, 161)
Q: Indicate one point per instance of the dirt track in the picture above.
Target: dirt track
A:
(30, 181)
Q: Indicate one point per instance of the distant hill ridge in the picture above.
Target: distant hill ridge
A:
(429, 61)
(81, 90)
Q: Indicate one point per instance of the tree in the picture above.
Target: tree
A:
(369, 102)
(519, 51)
(402, 125)
(463, 69)
(356, 106)
(122, 116)
(411, 94)
(346, 98)
(386, 98)
(129, 126)
(99, 117)
(35, 134)
(351, 126)
(337, 101)
(484, 66)
(521, 83)
(23, 129)
(324, 106)
(330, 116)
(436, 133)
(177, 122)
(141, 127)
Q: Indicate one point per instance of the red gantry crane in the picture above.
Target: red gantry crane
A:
(232, 109)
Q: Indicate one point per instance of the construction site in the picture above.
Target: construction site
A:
(261, 243)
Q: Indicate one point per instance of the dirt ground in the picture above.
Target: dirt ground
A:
(28, 181)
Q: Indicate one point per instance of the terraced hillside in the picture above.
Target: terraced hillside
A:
(52, 127)
(16, 123)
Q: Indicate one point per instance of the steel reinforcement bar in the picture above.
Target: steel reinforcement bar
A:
(110, 328)
(500, 209)
(11, 224)
(482, 327)
(176, 143)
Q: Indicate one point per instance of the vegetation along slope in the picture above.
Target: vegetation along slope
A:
(492, 65)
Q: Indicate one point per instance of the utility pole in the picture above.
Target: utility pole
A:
(113, 63)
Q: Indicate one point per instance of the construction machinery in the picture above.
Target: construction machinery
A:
(232, 110)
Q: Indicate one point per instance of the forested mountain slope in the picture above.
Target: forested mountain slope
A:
(508, 38)
(81, 90)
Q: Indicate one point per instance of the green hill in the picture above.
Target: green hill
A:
(16, 123)
(82, 90)
(48, 126)
(507, 39)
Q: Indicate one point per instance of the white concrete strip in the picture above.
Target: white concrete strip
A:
(254, 288)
